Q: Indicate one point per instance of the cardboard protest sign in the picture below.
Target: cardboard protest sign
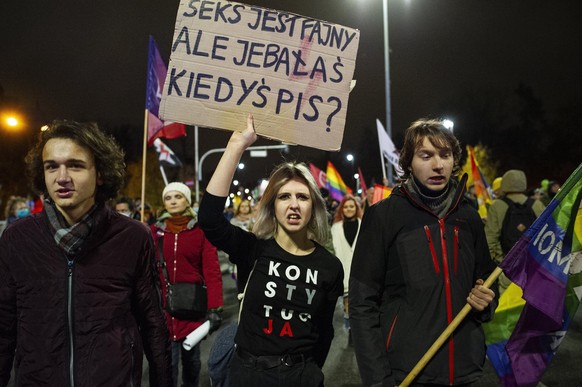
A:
(291, 72)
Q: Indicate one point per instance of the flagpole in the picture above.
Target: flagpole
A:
(196, 164)
(164, 175)
(143, 165)
(446, 334)
(383, 165)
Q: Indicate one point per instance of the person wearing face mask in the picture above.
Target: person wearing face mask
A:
(344, 233)
(421, 256)
(125, 207)
(188, 257)
(16, 208)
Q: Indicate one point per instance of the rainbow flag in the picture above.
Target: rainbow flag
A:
(381, 192)
(335, 184)
(482, 188)
(546, 263)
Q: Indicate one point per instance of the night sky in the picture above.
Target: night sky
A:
(87, 60)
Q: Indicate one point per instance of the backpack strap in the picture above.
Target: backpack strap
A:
(528, 203)
(508, 201)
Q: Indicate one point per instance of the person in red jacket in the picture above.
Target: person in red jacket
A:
(79, 294)
(188, 257)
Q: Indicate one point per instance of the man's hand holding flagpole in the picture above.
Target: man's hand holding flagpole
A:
(540, 263)
(447, 333)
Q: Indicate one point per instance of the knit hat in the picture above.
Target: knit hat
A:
(179, 187)
(496, 183)
(513, 180)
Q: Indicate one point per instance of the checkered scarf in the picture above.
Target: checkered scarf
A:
(68, 238)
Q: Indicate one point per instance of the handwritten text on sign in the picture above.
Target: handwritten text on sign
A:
(291, 72)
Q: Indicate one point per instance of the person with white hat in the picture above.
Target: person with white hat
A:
(188, 257)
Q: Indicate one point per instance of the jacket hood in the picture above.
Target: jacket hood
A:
(513, 180)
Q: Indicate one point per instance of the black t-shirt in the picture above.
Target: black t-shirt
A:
(290, 299)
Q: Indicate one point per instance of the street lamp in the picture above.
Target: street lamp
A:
(350, 158)
(199, 161)
(448, 124)
(387, 75)
(11, 121)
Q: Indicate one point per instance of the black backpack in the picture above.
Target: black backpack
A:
(517, 219)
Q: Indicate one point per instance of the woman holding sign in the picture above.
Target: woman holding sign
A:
(285, 328)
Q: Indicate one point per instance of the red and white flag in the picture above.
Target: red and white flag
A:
(319, 176)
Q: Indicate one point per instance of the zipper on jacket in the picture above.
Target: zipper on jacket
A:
(456, 248)
(432, 250)
(448, 298)
(70, 264)
(174, 337)
(131, 371)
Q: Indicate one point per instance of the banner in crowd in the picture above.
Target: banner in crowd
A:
(387, 148)
(335, 184)
(363, 185)
(482, 188)
(546, 263)
(293, 73)
(155, 84)
(318, 175)
(380, 192)
(166, 156)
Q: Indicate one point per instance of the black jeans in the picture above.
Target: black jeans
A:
(190, 364)
(303, 374)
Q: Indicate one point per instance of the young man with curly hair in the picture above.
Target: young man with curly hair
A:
(79, 297)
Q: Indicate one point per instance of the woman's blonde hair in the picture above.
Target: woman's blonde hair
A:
(266, 225)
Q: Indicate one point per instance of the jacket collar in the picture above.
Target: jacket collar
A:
(458, 195)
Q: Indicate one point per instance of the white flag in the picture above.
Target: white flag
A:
(387, 148)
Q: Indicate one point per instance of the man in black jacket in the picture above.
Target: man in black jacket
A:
(421, 255)
(79, 301)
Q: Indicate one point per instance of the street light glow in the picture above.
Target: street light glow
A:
(448, 124)
(350, 157)
(12, 121)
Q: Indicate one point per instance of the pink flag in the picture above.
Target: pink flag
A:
(363, 185)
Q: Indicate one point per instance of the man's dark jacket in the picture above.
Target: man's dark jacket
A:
(85, 321)
(411, 274)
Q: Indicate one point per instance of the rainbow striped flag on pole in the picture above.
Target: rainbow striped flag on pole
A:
(482, 188)
(546, 263)
(335, 184)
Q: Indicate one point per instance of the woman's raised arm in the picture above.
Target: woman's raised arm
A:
(221, 179)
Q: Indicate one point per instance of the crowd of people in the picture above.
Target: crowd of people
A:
(89, 295)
